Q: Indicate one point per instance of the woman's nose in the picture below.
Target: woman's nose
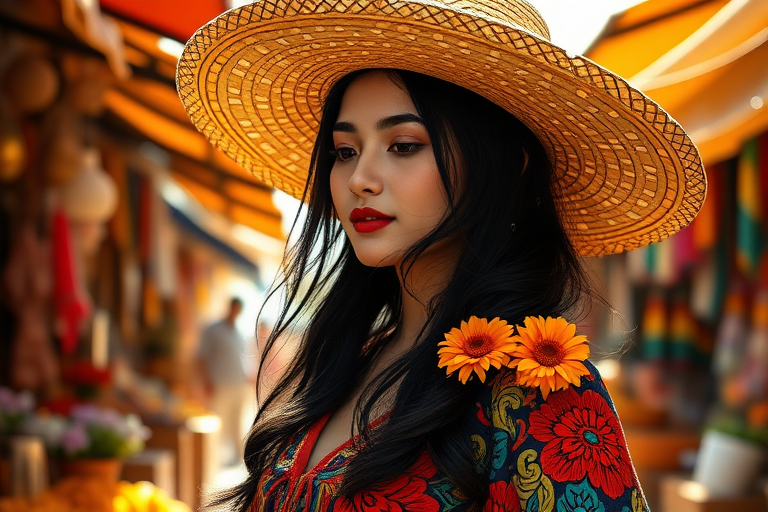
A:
(366, 178)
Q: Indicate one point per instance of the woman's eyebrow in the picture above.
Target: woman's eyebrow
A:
(383, 124)
(389, 122)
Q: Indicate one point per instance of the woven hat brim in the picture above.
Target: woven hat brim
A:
(254, 79)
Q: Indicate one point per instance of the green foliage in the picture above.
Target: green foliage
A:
(736, 422)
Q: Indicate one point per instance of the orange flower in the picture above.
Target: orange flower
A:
(548, 355)
(476, 347)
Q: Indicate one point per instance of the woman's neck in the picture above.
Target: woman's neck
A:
(422, 282)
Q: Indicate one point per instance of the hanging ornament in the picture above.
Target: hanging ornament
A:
(87, 81)
(31, 83)
(62, 158)
(12, 151)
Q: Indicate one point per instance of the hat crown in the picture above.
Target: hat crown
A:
(514, 12)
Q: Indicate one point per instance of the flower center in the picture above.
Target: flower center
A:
(590, 437)
(548, 353)
(478, 346)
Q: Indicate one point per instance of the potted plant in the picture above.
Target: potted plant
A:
(15, 410)
(733, 449)
(93, 440)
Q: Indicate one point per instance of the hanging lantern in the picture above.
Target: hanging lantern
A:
(89, 200)
(31, 83)
(92, 195)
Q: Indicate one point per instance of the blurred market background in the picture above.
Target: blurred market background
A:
(124, 234)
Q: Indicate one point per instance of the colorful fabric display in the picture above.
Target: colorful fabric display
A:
(749, 211)
(682, 333)
(730, 343)
(706, 225)
(755, 374)
(654, 326)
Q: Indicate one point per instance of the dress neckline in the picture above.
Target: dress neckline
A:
(299, 468)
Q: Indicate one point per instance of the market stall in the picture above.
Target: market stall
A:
(123, 233)
(699, 299)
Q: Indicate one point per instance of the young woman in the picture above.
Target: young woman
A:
(461, 165)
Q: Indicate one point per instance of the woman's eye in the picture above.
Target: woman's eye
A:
(343, 154)
(405, 148)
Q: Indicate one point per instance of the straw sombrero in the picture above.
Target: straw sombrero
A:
(253, 81)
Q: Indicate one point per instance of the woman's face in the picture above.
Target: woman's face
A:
(385, 183)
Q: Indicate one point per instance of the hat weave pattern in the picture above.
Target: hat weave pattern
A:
(254, 79)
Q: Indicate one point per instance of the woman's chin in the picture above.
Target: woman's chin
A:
(376, 259)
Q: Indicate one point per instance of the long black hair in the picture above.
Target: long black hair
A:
(516, 260)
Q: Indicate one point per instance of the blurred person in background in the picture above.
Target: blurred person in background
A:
(225, 382)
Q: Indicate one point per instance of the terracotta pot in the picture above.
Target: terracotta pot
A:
(106, 469)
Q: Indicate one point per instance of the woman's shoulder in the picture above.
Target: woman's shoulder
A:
(566, 447)
(506, 414)
(503, 404)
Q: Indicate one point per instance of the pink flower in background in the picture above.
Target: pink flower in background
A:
(86, 413)
(6, 399)
(13, 403)
(15, 409)
(100, 432)
(74, 439)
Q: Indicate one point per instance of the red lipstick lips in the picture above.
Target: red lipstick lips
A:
(368, 220)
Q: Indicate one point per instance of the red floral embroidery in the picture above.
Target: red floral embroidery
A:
(502, 498)
(584, 438)
(404, 494)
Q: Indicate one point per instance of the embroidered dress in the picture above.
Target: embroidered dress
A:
(565, 454)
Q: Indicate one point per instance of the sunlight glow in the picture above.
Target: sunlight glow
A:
(574, 25)
(170, 46)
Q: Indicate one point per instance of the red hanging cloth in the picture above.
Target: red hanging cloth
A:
(70, 305)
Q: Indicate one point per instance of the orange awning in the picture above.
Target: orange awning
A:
(177, 19)
(149, 104)
(702, 61)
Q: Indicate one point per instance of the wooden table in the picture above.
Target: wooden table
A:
(179, 440)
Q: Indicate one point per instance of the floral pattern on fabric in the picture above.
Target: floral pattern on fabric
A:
(583, 438)
(565, 454)
(407, 492)
(533, 487)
